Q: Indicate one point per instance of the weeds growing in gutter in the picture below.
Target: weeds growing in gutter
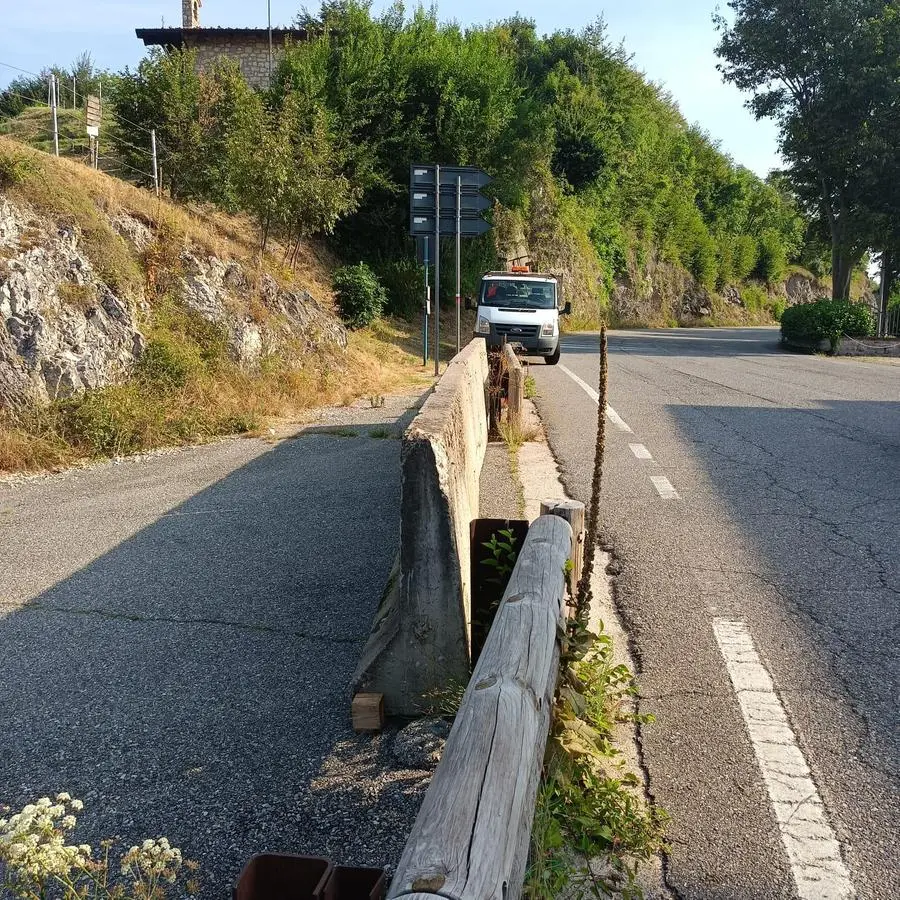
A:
(592, 827)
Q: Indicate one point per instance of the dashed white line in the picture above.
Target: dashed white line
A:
(611, 414)
(640, 451)
(617, 420)
(664, 487)
(812, 847)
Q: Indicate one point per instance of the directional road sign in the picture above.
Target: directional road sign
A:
(470, 177)
(423, 223)
(464, 182)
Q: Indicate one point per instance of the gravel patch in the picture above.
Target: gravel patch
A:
(499, 498)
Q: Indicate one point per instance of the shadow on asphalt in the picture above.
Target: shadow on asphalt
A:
(193, 681)
(702, 342)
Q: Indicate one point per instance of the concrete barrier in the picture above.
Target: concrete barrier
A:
(420, 639)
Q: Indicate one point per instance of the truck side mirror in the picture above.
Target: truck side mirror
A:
(567, 309)
(469, 304)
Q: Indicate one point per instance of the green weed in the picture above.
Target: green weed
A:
(593, 827)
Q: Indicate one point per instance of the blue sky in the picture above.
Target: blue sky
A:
(672, 42)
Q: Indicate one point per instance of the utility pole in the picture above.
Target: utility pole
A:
(73, 92)
(270, 43)
(155, 162)
(437, 270)
(53, 98)
(458, 243)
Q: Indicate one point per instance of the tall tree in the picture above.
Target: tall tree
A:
(818, 68)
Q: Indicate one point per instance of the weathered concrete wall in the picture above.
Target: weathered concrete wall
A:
(420, 640)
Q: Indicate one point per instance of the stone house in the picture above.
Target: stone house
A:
(249, 46)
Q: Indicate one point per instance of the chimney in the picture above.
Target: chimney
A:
(190, 13)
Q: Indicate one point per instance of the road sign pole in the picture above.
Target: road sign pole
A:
(425, 307)
(458, 242)
(437, 271)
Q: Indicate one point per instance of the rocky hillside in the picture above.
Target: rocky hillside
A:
(662, 294)
(128, 322)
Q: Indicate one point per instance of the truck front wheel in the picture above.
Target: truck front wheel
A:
(553, 358)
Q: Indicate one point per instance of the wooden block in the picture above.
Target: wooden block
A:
(367, 711)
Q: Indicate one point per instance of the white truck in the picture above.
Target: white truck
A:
(522, 307)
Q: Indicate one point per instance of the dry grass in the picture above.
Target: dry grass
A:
(81, 296)
(184, 389)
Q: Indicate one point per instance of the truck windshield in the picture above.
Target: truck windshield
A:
(518, 293)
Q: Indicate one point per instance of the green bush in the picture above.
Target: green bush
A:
(771, 263)
(746, 253)
(754, 298)
(164, 364)
(360, 296)
(704, 263)
(777, 307)
(826, 320)
(109, 422)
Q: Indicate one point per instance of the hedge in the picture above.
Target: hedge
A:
(826, 320)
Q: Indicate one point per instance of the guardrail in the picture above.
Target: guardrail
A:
(472, 835)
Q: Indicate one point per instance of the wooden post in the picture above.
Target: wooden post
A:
(573, 512)
(367, 711)
(471, 838)
(516, 393)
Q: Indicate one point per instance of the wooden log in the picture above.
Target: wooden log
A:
(367, 712)
(470, 840)
(573, 512)
(515, 397)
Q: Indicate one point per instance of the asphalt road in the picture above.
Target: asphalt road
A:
(783, 538)
(177, 638)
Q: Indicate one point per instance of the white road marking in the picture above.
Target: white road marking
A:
(611, 414)
(617, 420)
(664, 487)
(640, 451)
(812, 847)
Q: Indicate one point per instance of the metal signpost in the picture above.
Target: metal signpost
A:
(446, 201)
(423, 258)
(458, 242)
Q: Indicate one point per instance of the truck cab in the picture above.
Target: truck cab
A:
(522, 307)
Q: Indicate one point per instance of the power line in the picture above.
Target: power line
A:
(110, 136)
(119, 162)
(23, 71)
(75, 93)
(32, 100)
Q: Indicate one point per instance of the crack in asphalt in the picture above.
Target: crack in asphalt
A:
(175, 620)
